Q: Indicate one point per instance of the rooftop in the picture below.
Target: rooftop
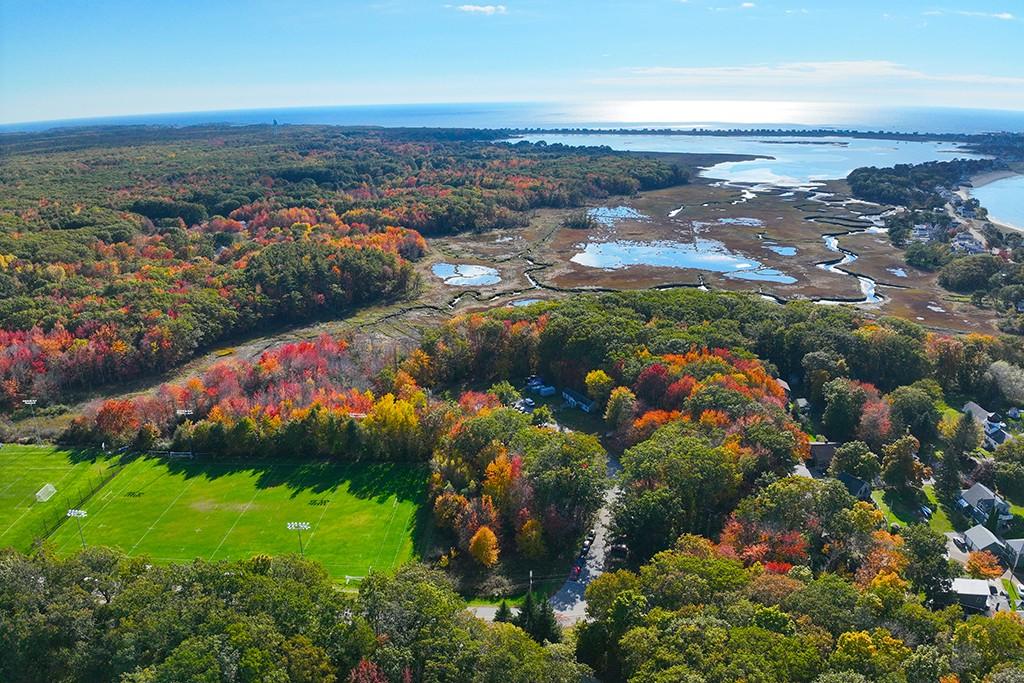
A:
(978, 493)
(979, 413)
(980, 537)
(971, 587)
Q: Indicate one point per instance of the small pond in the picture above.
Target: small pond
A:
(466, 275)
(610, 215)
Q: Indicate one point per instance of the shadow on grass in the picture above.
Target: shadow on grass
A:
(905, 507)
(77, 455)
(366, 480)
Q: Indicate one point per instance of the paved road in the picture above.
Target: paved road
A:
(568, 602)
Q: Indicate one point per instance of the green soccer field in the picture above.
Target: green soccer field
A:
(26, 469)
(361, 516)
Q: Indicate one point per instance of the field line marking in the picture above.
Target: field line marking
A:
(12, 484)
(28, 508)
(107, 500)
(398, 548)
(239, 517)
(387, 531)
(319, 519)
(15, 522)
(157, 520)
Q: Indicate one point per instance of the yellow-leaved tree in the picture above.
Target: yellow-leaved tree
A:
(484, 547)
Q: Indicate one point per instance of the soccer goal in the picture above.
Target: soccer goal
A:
(46, 493)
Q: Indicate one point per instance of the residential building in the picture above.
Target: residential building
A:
(979, 538)
(991, 423)
(978, 502)
(975, 595)
(858, 488)
(965, 243)
(822, 453)
(1014, 550)
(574, 399)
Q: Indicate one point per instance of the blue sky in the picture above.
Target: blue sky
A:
(72, 58)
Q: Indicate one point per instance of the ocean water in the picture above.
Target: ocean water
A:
(599, 114)
(1004, 200)
(787, 162)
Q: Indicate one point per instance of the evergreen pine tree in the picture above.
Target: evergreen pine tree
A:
(504, 613)
(947, 483)
(527, 614)
(966, 435)
(992, 523)
(546, 626)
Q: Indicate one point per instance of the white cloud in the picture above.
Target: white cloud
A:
(481, 9)
(1002, 16)
(802, 73)
(748, 5)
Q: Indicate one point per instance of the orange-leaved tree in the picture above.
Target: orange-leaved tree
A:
(484, 547)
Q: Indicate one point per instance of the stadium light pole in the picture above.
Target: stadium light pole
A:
(298, 528)
(78, 515)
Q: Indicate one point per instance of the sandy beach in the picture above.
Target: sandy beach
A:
(983, 179)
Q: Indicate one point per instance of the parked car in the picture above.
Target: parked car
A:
(960, 544)
(926, 512)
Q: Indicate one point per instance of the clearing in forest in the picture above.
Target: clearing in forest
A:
(360, 515)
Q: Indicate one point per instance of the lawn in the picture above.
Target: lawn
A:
(1011, 591)
(26, 469)
(906, 511)
(361, 516)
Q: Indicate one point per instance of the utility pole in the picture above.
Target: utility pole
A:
(298, 528)
(78, 515)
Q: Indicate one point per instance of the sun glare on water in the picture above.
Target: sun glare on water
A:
(710, 112)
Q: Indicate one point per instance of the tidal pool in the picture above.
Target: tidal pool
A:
(465, 275)
(610, 215)
(701, 254)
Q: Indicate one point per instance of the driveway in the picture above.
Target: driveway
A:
(952, 551)
(568, 602)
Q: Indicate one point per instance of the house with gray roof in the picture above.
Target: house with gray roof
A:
(980, 538)
(1014, 550)
(991, 424)
(858, 488)
(978, 502)
(975, 595)
(822, 453)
